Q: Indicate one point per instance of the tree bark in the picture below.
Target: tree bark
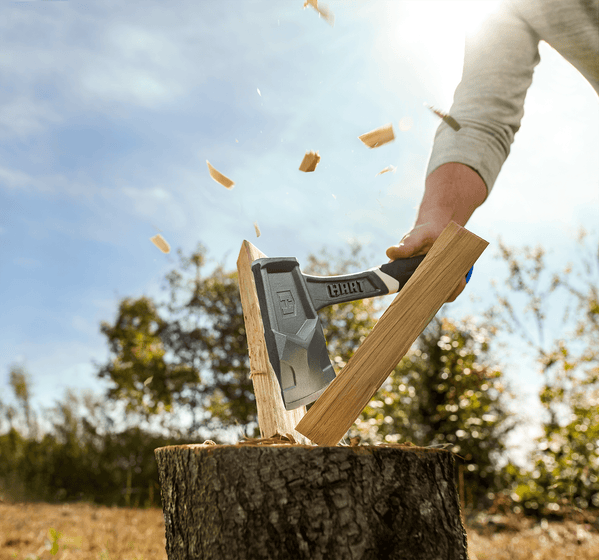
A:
(295, 502)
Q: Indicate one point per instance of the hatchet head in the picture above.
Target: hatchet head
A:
(289, 304)
(294, 337)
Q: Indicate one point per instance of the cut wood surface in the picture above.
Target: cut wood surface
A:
(297, 502)
(449, 259)
(272, 416)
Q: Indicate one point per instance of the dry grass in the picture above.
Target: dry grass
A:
(546, 541)
(86, 532)
(80, 532)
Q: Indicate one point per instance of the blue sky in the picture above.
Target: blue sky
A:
(109, 111)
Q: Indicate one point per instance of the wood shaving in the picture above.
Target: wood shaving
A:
(386, 170)
(277, 439)
(406, 123)
(257, 229)
(159, 241)
(323, 12)
(309, 162)
(379, 136)
(446, 118)
(219, 177)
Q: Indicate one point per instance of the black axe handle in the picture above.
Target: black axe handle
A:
(388, 278)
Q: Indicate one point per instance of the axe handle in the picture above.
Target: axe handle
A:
(388, 278)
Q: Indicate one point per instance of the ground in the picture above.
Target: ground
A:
(87, 532)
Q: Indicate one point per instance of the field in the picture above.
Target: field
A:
(86, 532)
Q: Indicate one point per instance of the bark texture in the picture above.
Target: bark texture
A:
(295, 502)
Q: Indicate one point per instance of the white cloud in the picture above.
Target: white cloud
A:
(23, 117)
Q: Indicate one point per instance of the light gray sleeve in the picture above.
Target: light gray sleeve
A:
(489, 101)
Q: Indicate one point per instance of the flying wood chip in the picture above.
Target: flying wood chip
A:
(219, 177)
(323, 12)
(386, 170)
(257, 229)
(447, 118)
(379, 136)
(309, 162)
(159, 241)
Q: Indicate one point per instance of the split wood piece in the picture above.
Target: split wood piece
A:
(310, 503)
(161, 243)
(309, 162)
(219, 177)
(272, 417)
(379, 136)
(448, 261)
(323, 12)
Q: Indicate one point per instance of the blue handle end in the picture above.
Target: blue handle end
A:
(469, 274)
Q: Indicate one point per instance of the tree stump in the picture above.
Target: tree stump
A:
(292, 502)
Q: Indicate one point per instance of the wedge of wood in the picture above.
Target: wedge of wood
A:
(309, 162)
(272, 417)
(448, 261)
(323, 12)
(219, 177)
(378, 136)
(161, 243)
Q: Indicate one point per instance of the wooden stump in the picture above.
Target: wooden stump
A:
(292, 502)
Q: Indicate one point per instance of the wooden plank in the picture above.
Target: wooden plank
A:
(272, 417)
(449, 259)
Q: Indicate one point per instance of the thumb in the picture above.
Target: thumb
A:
(415, 242)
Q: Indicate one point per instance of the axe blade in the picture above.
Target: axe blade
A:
(294, 337)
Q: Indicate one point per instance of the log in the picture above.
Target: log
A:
(273, 419)
(296, 502)
(448, 260)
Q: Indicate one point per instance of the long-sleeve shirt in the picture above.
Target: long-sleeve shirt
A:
(498, 66)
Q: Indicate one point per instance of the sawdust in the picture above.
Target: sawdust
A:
(219, 177)
(309, 162)
(378, 136)
(161, 243)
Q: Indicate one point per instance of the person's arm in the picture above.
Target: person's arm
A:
(452, 192)
(488, 104)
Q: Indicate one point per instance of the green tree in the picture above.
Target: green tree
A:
(539, 302)
(445, 392)
(139, 373)
(21, 386)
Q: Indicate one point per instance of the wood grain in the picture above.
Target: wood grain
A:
(449, 259)
(272, 417)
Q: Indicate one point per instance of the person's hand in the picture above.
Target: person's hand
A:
(453, 191)
(418, 241)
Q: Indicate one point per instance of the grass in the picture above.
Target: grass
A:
(87, 532)
(80, 532)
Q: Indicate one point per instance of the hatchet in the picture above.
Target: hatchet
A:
(289, 304)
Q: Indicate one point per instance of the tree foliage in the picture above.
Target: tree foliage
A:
(565, 470)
